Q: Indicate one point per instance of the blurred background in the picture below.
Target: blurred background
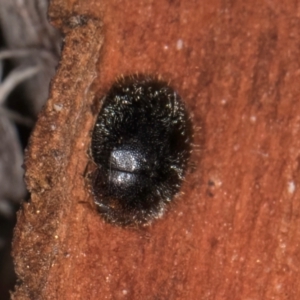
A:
(29, 53)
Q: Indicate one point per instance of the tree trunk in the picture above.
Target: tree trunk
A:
(234, 233)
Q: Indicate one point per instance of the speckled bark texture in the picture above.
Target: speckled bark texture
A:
(234, 233)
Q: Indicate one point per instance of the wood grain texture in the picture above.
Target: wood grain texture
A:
(234, 233)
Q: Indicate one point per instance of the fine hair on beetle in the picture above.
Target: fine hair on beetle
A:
(141, 144)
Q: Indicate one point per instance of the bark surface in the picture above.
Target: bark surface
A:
(234, 233)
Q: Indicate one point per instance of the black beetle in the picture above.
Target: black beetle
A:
(141, 144)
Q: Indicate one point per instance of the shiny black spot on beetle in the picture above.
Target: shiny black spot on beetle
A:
(141, 144)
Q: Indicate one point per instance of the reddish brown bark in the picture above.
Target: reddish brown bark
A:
(234, 233)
